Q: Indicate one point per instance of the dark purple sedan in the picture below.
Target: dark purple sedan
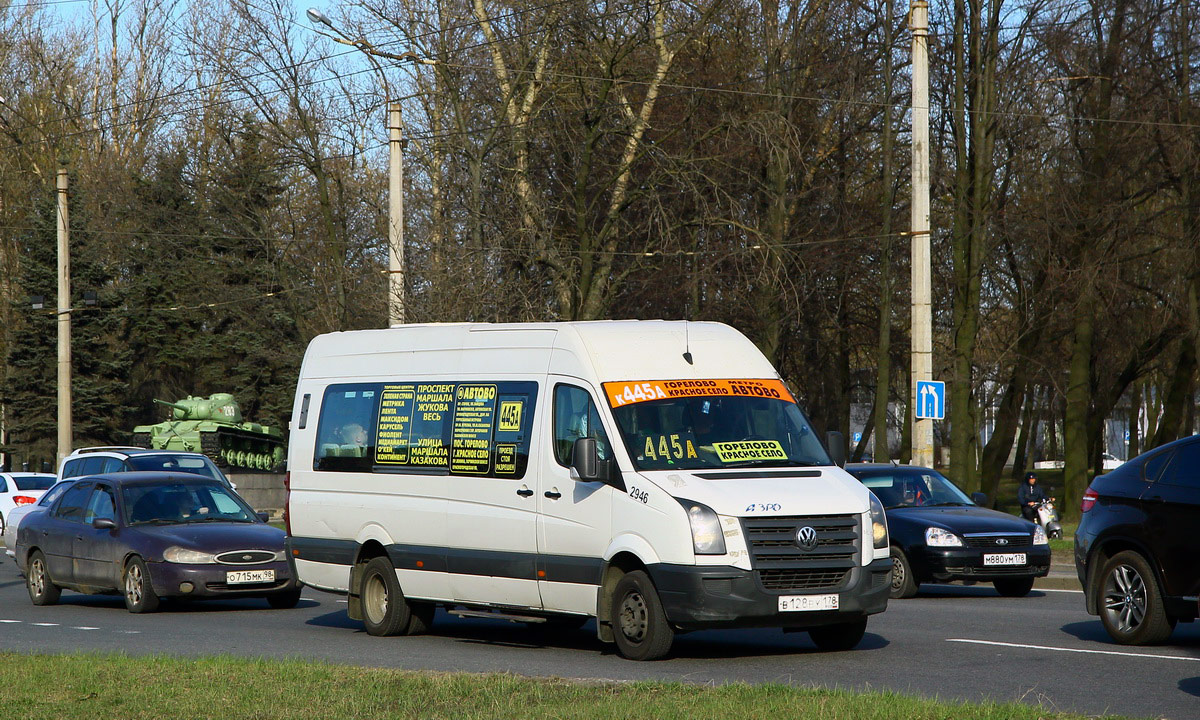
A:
(150, 535)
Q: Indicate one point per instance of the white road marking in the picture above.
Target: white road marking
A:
(1073, 650)
(84, 627)
(1078, 592)
(10, 621)
(45, 624)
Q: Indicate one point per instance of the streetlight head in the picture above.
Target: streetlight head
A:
(317, 16)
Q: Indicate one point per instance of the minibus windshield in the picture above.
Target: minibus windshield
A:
(693, 431)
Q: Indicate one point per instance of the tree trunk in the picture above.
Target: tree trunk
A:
(1079, 401)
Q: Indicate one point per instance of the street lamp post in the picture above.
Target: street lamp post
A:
(396, 291)
(922, 320)
(65, 439)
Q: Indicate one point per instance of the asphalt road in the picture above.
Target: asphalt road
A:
(950, 642)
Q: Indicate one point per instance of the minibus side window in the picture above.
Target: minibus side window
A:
(575, 416)
(345, 433)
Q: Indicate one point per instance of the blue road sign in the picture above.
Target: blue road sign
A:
(931, 399)
(857, 438)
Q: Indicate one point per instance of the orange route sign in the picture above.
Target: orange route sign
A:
(626, 393)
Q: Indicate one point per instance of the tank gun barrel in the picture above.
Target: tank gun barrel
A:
(176, 406)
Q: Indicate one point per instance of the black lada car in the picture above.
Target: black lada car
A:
(938, 534)
(1136, 546)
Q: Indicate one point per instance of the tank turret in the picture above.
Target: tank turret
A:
(214, 426)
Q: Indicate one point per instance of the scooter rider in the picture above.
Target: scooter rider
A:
(1029, 495)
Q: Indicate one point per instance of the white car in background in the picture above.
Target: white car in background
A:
(21, 488)
(14, 516)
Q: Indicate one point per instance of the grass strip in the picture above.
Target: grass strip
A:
(66, 687)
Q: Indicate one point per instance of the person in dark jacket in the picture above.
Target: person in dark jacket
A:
(1029, 495)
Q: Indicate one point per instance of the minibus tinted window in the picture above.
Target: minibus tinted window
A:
(438, 428)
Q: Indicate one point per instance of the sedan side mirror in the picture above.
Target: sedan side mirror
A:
(263, 516)
(979, 499)
(103, 523)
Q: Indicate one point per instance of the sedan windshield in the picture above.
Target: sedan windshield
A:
(924, 488)
(716, 430)
(176, 501)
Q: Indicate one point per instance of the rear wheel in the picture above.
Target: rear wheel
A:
(139, 591)
(842, 636)
(42, 591)
(640, 625)
(1131, 605)
(1014, 587)
(904, 585)
(385, 609)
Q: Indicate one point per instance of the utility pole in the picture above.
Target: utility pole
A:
(395, 215)
(64, 322)
(922, 317)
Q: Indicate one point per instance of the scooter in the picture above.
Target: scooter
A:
(1047, 517)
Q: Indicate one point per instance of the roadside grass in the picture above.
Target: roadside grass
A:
(79, 686)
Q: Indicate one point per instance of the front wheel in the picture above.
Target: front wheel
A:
(904, 585)
(42, 590)
(1014, 587)
(284, 600)
(640, 625)
(1131, 605)
(842, 636)
(139, 591)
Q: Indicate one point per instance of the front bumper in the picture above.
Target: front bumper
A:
(698, 597)
(208, 581)
(966, 563)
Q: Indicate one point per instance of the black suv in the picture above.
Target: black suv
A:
(1137, 551)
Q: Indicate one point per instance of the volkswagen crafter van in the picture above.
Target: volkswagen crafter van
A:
(656, 476)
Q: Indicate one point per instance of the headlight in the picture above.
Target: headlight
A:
(937, 537)
(879, 530)
(1039, 536)
(707, 538)
(185, 556)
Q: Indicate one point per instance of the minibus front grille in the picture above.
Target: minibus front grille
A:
(782, 565)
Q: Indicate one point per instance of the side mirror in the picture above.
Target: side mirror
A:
(835, 442)
(586, 465)
(979, 499)
(585, 460)
(103, 523)
(263, 516)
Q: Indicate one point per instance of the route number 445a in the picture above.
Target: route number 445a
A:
(763, 507)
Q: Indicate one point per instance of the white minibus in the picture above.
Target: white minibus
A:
(656, 476)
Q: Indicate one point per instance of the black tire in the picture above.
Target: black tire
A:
(842, 636)
(1013, 587)
(1130, 601)
(137, 588)
(284, 600)
(384, 609)
(42, 590)
(640, 625)
(904, 585)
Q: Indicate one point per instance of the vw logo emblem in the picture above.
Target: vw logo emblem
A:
(1001, 541)
(806, 538)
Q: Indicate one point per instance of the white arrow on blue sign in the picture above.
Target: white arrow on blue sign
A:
(931, 399)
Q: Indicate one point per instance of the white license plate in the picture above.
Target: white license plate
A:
(242, 577)
(1004, 559)
(796, 603)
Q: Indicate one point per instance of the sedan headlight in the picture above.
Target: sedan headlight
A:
(1039, 536)
(187, 556)
(707, 537)
(937, 537)
(879, 530)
